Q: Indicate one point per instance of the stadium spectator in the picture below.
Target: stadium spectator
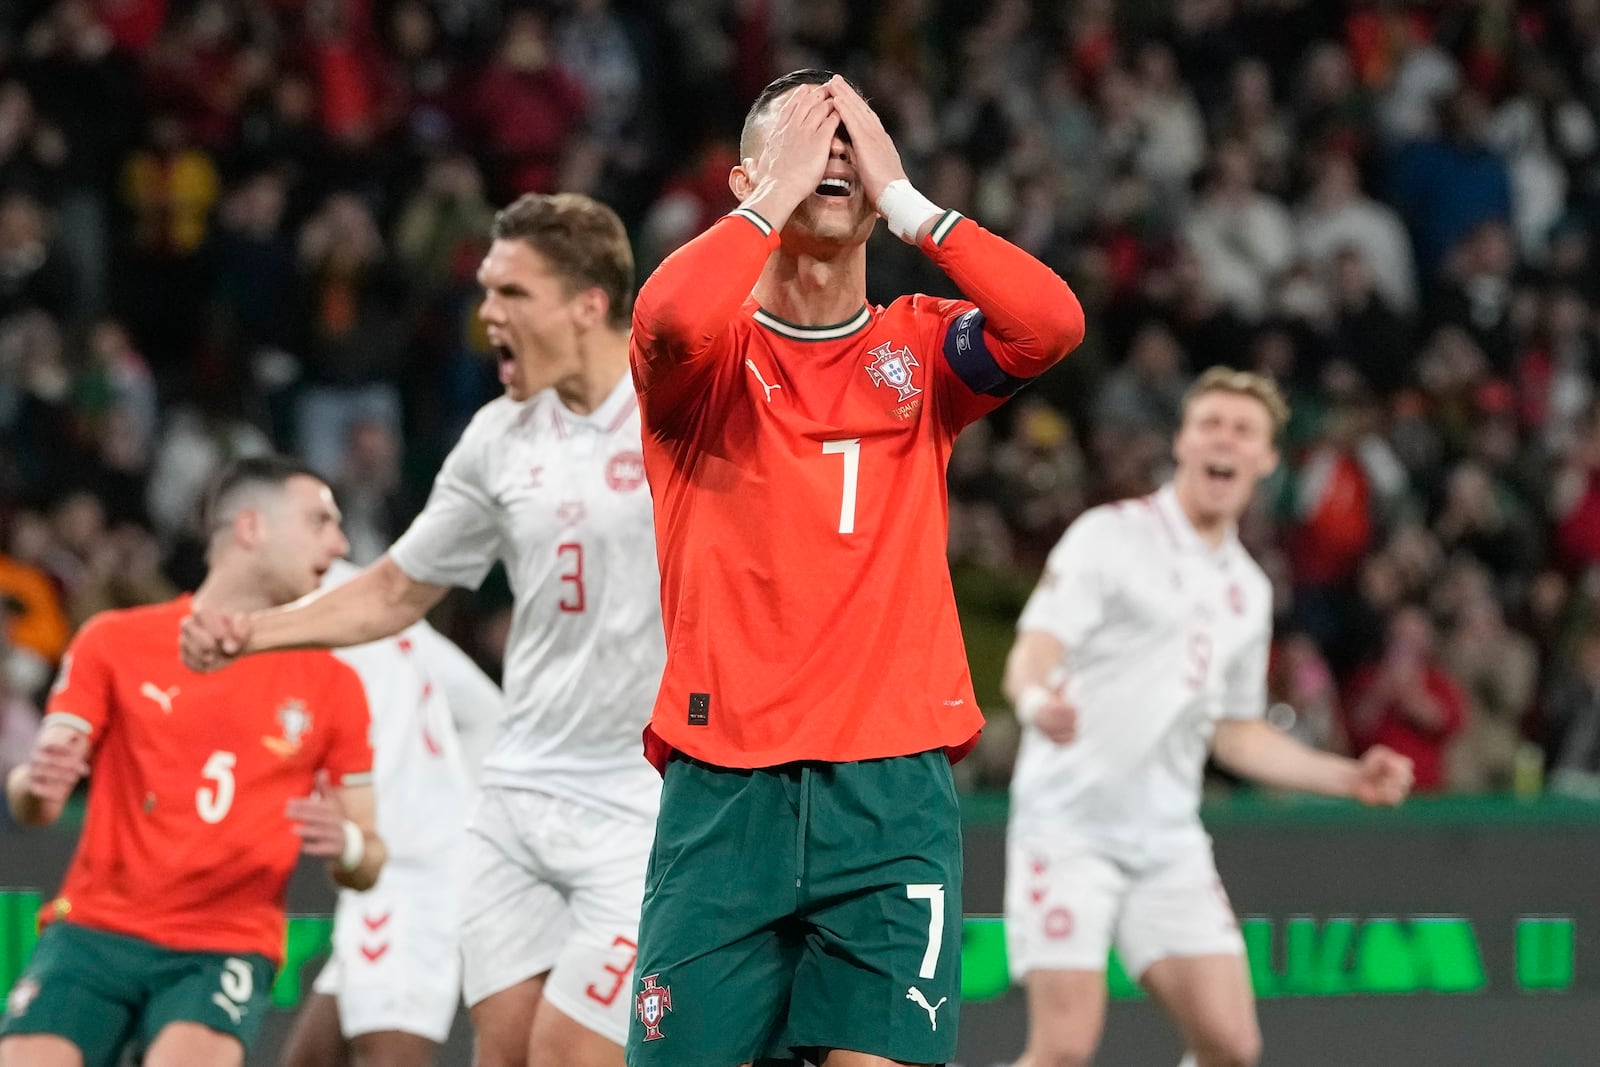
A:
(526, 109)
(1407, 701)
(1335, 215)
(1077, 133)
(1498, 670)
(36, 626)
(32, 274)
(1572, 717)
(352, 339)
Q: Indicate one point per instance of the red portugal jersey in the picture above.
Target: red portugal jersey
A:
(798, 476)
(185, 842)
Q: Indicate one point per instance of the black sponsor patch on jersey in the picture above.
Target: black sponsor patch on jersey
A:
(699, 709)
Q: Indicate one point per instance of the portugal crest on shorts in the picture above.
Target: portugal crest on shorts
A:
(652, 1005)
(889, 367)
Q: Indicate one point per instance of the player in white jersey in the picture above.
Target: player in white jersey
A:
(388, 993)
(548, 479)
(1144, 647)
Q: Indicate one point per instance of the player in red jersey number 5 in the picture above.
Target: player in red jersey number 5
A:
(206, 789)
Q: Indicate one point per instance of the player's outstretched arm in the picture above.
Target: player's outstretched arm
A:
(380, 601)
(1033, 684)
(1255, 749)
(340, 825)
(37, 791)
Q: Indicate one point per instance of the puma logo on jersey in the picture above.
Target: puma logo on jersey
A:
(162, 697)
(915, 996)
(757, 372)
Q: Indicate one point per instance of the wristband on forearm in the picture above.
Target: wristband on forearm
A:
(1029, 704)
(905, 209)
(355, 847)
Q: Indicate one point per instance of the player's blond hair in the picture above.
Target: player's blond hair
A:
(583, 240)
(1241, 383)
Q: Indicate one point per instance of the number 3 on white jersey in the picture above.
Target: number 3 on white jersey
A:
(213, 804)
(850, 449)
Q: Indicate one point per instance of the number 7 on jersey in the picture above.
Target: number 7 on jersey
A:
(850, 449)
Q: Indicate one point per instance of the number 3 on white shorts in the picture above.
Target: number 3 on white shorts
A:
(934, 895)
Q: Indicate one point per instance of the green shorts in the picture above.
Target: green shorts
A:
(101, 990)
(808, 906)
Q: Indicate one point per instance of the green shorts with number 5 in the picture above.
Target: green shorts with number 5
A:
(807, 906)
(101, 991)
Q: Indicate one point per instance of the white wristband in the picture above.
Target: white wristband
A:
(1031, 701)
(905, 209)
(355, 847)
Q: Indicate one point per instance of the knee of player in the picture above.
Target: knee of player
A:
(1062, 1043)
(1081, 1054)
(1238, 1045)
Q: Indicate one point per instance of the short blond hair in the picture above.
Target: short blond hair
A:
(1242, 383)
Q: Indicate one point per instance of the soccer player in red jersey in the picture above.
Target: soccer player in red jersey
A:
(804, 893)
(207, 788)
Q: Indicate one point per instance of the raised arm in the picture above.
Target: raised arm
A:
(685, 304)
(1027, 308)
(381, 601)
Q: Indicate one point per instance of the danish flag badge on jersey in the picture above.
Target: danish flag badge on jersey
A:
(893, 368)
(652, 1005)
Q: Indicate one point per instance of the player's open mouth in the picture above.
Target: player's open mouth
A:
(1221, 472)
(506, 362)
(833, 187)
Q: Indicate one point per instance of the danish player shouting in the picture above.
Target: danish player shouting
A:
(1144, 648)
(804, 894)
(548, 479)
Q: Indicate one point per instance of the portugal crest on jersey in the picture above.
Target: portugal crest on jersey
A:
(652, 1005)
(295, 721)
(893, 368)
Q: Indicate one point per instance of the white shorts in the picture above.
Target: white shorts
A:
(1068, 903)
(396, 961)
(555, 885)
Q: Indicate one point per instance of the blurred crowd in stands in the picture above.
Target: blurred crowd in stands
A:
(233, 225)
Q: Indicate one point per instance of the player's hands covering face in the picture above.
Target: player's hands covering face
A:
(799, 141)
(876, 159)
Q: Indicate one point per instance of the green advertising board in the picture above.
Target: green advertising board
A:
(1296, 956)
